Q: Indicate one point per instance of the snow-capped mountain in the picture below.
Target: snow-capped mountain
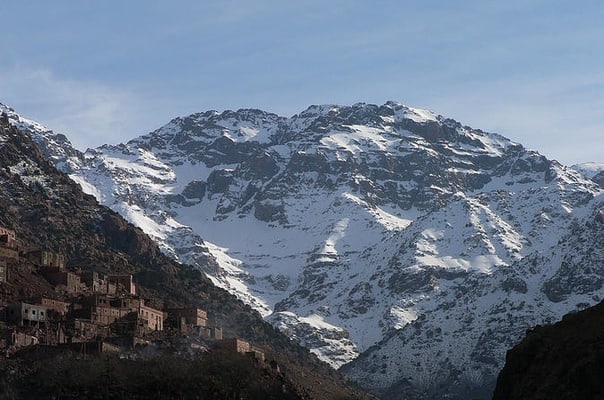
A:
(591, 170)
(424, 246)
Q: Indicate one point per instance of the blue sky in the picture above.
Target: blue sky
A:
(105, 72)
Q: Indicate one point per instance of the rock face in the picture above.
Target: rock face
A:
(560, 361)
(397, 243)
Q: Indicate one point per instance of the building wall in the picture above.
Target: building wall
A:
(21, 313)
(9, 252)
(154, 319)
(8, 239)
(3, 271)
(9, 233)
(107, 315)
(125, 282)
(20, 339)
(58, 306)
(192, 315)
(130, 303)
(101, 309)
(96, 284)
(90, 278)
(69, 279)
(216, 333)
(47, 258)
(211, 333)
(236, 345)
(88, 330)
(256, 354)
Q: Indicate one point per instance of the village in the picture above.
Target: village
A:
(88, 313)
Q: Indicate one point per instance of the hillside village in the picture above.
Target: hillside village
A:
(86, 312)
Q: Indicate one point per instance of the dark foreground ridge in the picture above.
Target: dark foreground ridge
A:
(564, 361)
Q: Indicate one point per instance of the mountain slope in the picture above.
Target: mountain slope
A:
(560, 361)
(48, 210)
(425, 245)
(592, 170)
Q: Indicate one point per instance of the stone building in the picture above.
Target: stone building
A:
(59, 276)
(151, 318)
(85, 329)
(26, 314)
(45, 258)
(21, 339)
(235, 345)
(8, 244)
(8, 237)
(3, 271)
(182, 318)
(131, 312)
(211, 332)
(9, 253)
(125, 283)
(242, 347)
(57, 306)
(96, 284)
(99, 309)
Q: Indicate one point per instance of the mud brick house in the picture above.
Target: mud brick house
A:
(129, 311)
(96, 284)
(85, 329)
(214, 333)
(45, 258)
(151, 318)
(53, 336)
(21, 339)
(243, 347)
(8, 237)
(8, 244)
(60, 276)
(184, 318)
(3, 271)
(256, 354)
(26, 314)
(124, 283)
(99, 309)
(96, 346)
(9, 253)
(235, 345)
(59, 307)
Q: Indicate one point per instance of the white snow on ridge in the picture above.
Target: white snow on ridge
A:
(589, 169)
(419, 115)
(20, 122)
(362, 139)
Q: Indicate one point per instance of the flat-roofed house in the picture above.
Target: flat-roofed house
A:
(22, 314)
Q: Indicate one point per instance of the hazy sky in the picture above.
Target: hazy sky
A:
(105, 72)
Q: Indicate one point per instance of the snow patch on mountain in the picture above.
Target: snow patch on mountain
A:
(589, 169)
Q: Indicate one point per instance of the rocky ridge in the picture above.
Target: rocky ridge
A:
(426, 246)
